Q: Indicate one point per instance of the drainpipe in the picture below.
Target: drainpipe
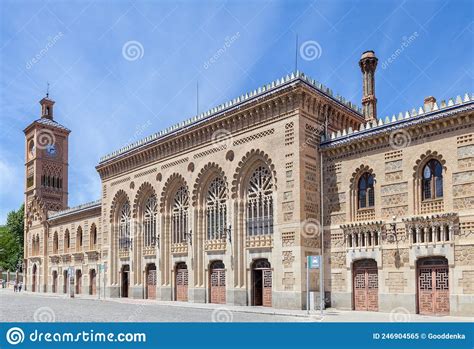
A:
(321, 271)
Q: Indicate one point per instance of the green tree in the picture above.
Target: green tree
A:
(11, 240)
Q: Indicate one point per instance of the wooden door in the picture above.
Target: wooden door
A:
(366, 289)
(433, 290)
(217, 283)
(92, 282)
(151, 284)
(182, 283)
(267, 288)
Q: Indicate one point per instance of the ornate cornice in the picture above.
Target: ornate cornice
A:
(408, 129)
(299, 94)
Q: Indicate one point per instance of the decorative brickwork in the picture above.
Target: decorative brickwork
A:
(464, 255)
(396, 282)
(467, 282)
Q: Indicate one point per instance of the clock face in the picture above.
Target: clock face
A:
(51, 150)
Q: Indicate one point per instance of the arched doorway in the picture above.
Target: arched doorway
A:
(365, 285)
(33, 278)
(181, 282)
(217, 282)
(151, 281)
(65, 280)
(262, 283)
(78, 281)
(433, 286)
(92, 282)
(55, 282)
(125, 280)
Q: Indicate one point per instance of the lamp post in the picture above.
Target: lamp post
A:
(189, 237)
(391, 236)
(227, 232)
(156, 241)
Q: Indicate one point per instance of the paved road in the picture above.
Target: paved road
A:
(40, 307)
(28, 307)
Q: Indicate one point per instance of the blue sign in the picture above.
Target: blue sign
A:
(144, 335)
(314, 262)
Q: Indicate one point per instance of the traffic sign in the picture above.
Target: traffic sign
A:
(314, 262)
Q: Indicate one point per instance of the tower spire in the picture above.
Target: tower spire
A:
(47, 106)
(368, 64)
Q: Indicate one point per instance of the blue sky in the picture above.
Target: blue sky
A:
(122, 70)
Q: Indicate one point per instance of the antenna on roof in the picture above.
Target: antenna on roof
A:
(47, 89)
(296, 54)
(197, 98)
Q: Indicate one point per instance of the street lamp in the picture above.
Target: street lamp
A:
(227, 232)
(157, 241)
(189, 236)
(391, 236)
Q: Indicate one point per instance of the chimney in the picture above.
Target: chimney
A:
(368, 64)
(429, 103)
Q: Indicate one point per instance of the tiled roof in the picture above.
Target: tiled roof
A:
(73, 210)
(49, 122)
(405, 119)
(236, 102)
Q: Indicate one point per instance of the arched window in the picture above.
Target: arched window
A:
(180, 215)
(67, 241)
(366, 191)
(93, 237)
(79, 239)
(55, 242)
(260, 203)
(149, 221)
(38, 245)
(432, 180)
(216, 209)
(124, 227)
(33, 245)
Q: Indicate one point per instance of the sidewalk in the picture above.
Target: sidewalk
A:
(330, 314)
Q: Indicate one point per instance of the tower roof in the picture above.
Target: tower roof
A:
(48, 122)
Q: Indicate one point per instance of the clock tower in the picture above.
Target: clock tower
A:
(46, 160)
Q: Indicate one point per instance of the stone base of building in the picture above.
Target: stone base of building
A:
(237, 296)
(197, 295)
(461, 305)
(112, 292)
(288, 300)
(136, 292)
(164, 293)
(341, 300)
(405, 302)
